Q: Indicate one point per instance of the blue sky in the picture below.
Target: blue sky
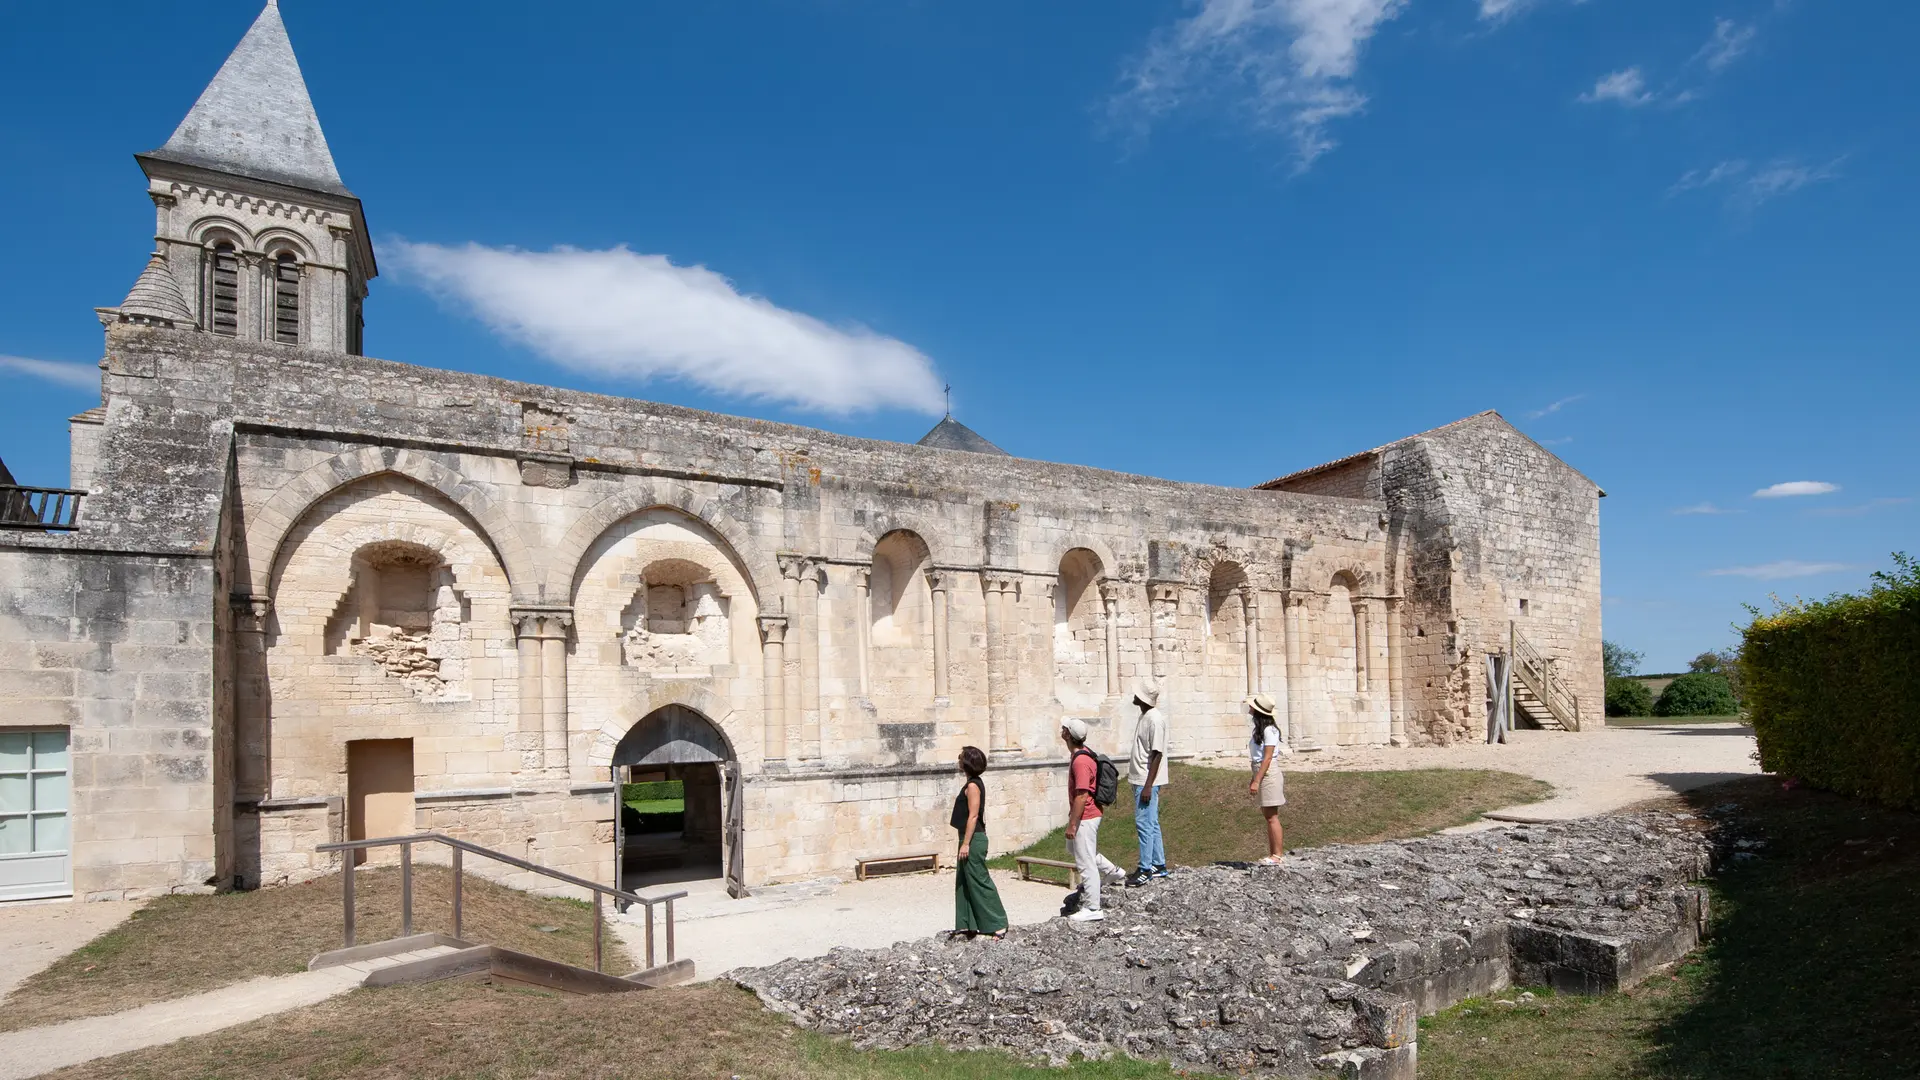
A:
(1215, 241)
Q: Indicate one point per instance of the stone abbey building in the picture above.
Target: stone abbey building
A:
(310, 595)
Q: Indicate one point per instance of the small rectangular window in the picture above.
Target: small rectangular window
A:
(286, 300)
(1523, 605)
(225, 289)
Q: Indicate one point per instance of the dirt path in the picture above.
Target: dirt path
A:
(33, 936)
(1592, 772)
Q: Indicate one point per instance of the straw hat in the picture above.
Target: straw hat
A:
(1148, 693)
(1075, 727)
(1262, 704)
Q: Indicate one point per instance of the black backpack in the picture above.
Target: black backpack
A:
(1106, 778)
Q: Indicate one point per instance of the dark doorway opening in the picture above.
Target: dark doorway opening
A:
(678, 803)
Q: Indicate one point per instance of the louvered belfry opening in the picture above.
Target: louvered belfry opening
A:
(225, 318)
(286, 300)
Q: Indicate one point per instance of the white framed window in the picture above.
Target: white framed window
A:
(36, 833)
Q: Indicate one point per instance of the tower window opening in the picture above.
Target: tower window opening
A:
(225, 315)
(286, 300)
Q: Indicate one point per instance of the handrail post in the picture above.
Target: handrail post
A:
(596, 929)
(649, 935)
(406, 890)
(346, 892)
(669, 931)
(456, 891)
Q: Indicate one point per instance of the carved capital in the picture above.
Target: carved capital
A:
(773, 629)
(1000, 581)
(541, 622)
(250, 612)
(939, 580)
(1164, 592)
(862, 578)
(796, 567)
(163, 199)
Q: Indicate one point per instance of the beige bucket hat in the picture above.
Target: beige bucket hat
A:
(1148, 693)
(1262, 704)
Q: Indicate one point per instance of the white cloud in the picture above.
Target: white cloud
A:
(1626, 86)
(1548, 410)
(1706, 508)
(64, 372)
(1748, 189)
(1796, 487)
(622, 313)
(1729, 42)
(1288, 63)
(1497, 10)
(1785, 568)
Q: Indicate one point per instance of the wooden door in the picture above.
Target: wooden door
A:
(379, 793)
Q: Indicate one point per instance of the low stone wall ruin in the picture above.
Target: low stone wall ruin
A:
(1322, 965)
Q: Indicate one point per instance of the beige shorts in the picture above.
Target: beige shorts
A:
(1273, 789)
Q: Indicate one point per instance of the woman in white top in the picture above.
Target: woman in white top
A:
(1268, 785)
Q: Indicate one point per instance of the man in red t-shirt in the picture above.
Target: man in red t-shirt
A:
(1083, 822)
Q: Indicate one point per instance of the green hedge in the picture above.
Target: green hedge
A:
(653, 789)
(1628, 696)
(1833, 689)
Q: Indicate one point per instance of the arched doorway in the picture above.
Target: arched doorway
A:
(679, 802)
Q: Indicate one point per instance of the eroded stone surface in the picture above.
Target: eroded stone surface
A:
(1322, 963)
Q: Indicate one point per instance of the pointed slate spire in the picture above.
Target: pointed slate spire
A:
(951, 434)
(256, 119)
(156, 297)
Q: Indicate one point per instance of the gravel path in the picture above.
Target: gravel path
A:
(33, 936)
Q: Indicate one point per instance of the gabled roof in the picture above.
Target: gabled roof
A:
(156, 295)
(951, 434)
(255, 119)
(1363, 455)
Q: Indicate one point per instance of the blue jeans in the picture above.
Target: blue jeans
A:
(1146, 825)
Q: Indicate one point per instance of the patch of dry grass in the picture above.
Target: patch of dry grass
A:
(1209, 817)
(180, 945)
(467, 1030)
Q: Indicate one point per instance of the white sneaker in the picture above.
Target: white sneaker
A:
(1115, 876)
(1087, 915)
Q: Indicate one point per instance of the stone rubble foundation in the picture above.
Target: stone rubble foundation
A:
(1321, 965)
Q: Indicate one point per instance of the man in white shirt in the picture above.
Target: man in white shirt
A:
(1147, 771)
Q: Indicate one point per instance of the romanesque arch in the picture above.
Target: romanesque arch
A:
(1084, 663)
(653, 697)
(269, 525)
(637, 494)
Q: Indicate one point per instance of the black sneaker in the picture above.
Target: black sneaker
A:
(1161, 871)
(1140, 877)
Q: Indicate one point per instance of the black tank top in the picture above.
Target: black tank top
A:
(960, 808)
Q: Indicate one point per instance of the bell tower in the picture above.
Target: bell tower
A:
(256, 236)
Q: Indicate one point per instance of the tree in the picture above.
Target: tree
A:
(1725, 664)
(1697, 693)
(1618, 661)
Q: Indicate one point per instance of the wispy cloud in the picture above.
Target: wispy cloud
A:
(1749, 188)
(621, 313)
(1627, 86)
(1861, 510)
(1706, 508)
(1549, 410)
(1793, 488)
(64, 372)
(1287, 64)
(1730, 41)
(1785, 568)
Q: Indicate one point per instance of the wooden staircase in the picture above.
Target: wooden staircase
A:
(416, 958)
(1539, 696)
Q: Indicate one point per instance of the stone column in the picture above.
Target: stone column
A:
(999, 589)
(553, 687)
(939, 582)
(1378, 681)
(526, 630)
(863, 622)
(1250, 610)
(1296, 697)
(1395, 693)
(1164, 613)
(803, 651)
(251, 746)
(773, 705)
(1110, 608)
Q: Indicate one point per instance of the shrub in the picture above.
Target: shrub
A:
(1833, 689)
(1697, 693)
(1628, 697)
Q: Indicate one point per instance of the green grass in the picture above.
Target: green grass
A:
(1812, 969)
(1209, 817)
(1666, 721)
(657, 806)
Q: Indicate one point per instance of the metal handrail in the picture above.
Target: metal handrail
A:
(1537, 672)
(39, 508)
(405, 843)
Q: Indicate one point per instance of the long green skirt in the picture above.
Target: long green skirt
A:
(976, 903)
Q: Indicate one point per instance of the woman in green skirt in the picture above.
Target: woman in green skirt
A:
(976, 903)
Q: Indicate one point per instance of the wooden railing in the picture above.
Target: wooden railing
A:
(460, 847)
(1537, 672)
(39, 508)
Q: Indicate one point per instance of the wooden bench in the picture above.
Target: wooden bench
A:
(1028, 862)
(863, 867)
